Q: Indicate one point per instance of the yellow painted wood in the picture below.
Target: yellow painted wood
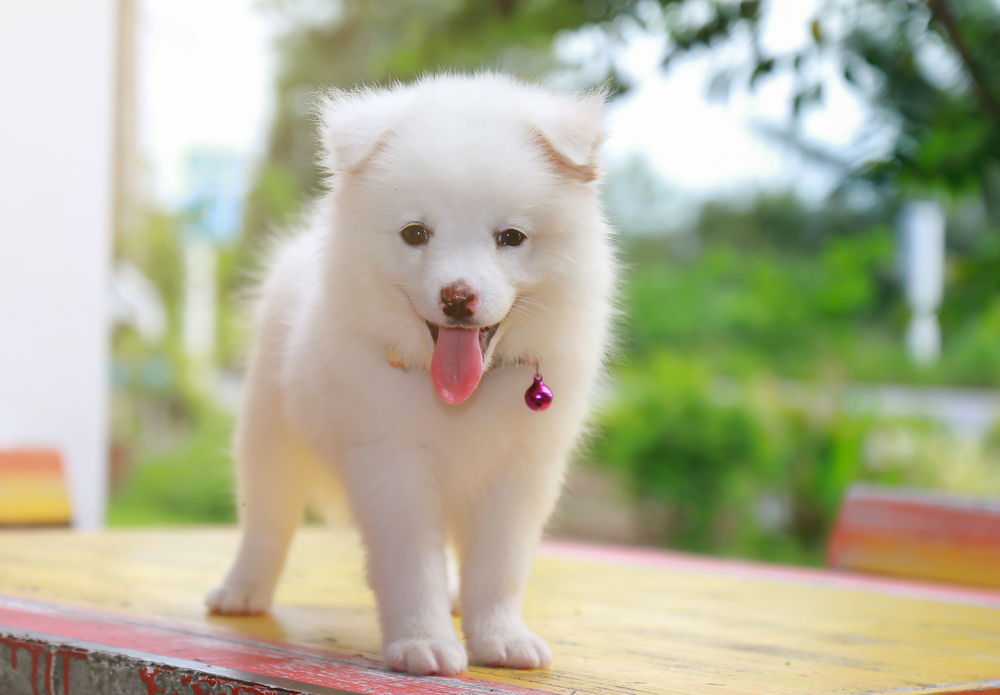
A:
(613, 629)
(33, 499)
(33, 488)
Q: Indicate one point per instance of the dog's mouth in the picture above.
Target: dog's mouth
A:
(485, 334)
(459, 359)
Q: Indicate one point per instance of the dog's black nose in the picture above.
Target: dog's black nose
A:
(458, 301)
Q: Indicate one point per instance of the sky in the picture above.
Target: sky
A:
(204, 81)
(207, 69)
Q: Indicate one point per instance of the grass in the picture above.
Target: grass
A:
(190, 484)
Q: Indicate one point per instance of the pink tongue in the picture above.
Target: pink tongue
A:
(457, 365)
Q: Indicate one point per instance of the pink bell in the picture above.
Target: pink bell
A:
(538, 396)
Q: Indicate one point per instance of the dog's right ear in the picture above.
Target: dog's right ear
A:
(571, 128)
(353, 125)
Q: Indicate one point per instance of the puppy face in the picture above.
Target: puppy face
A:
(459, 207)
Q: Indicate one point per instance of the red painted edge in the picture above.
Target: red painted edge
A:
(47, 462)
(921, 530)
(235, 652)
(747, 569)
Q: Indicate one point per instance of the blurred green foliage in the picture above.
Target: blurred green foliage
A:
(806, 294)
(757, 467)
(189, 483)
(730, 423)
(170, 438)
(729, 467)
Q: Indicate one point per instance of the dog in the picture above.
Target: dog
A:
(459, 252)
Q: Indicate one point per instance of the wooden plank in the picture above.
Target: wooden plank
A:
(619, 621)
(33, 488)
(918, 534)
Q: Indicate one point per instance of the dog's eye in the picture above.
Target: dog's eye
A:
(510, 237)
(415, 235)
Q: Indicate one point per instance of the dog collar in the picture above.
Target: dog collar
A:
(396, 361)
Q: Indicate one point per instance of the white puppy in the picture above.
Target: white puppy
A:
(461, 242)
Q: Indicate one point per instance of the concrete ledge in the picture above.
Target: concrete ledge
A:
(36, 664)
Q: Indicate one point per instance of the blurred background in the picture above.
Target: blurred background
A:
(808, 200)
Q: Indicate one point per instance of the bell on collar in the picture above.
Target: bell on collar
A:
(538, 396)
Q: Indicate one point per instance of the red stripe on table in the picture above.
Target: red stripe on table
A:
(924, 521)
(236, 652)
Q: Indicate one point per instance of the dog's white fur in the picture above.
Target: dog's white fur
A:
(467, 156)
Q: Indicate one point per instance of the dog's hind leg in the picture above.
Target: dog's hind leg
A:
(273, 484)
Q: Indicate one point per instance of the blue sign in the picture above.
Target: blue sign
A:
(213, 207)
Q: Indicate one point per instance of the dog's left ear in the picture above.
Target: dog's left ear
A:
(571, 128)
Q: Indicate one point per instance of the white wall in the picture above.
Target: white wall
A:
(56, 135)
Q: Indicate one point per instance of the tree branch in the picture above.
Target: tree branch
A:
(942, 12)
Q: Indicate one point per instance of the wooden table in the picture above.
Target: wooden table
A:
(74, 607)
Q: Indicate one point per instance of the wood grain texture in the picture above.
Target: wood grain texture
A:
(918, 535)
(618, 622)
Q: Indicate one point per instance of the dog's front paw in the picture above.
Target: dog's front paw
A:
(426, 657)
(237, 600)
(519, 649)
